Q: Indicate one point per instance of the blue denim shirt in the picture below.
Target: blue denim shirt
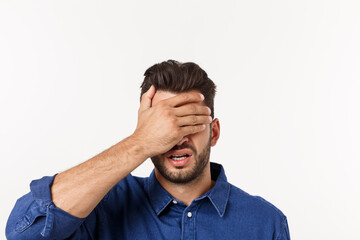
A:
(140, 208)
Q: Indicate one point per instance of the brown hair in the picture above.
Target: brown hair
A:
(177, 77)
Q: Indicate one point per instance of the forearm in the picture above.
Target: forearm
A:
(79, 189)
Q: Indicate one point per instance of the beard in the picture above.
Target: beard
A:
(183, 176)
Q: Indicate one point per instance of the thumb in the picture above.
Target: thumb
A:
(146, 98)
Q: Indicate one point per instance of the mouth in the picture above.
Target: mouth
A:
(179, 158)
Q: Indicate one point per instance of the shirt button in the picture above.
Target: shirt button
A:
(175, 202)
(189, 214)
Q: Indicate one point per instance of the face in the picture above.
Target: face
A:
(198, 146)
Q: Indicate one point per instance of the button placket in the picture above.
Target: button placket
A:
(188, 223)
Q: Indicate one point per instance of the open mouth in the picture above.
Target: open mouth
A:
(179, 157)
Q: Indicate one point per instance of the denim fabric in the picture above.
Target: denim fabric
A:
(139, 208)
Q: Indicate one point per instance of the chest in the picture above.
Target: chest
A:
(199, 222)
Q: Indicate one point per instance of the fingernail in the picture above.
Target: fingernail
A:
(202, 96)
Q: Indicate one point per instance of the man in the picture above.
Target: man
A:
(185, 197)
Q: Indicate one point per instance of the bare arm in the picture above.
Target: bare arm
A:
(79, 189)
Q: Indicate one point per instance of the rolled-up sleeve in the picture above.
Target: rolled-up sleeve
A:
(35, 216)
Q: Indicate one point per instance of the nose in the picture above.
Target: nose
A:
(184, 139)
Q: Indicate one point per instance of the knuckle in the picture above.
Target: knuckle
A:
(167, 112)
(200, 127)
(195, 128)
(173, 122)
(193, 119)
(193, 108)
(186, 97)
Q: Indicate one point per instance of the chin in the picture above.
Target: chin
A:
(182, 174)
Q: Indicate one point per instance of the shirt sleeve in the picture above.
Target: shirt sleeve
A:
(284, 234)
(35, 216)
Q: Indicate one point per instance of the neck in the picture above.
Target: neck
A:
(187, 192)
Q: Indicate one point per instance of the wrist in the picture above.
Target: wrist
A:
(134, 149)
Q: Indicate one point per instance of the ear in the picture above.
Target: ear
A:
(215, 131)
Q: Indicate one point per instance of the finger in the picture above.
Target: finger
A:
(146, 98)
(192, 109)
(193, 120)
(187, 130)
(184, 98)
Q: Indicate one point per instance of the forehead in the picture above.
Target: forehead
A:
(161, 95)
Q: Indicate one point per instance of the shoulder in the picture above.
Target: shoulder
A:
(253, 206)
(257, 214)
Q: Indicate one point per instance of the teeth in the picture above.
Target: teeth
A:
(179, 157)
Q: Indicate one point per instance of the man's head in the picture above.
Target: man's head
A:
(176, 77)
(171, 78)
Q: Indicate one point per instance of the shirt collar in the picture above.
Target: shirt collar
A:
(218, 195)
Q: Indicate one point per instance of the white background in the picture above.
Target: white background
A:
(288, 94)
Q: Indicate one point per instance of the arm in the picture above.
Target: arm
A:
(76, 192)
(79, 189)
